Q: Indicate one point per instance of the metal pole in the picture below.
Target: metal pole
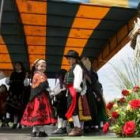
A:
(1, 12)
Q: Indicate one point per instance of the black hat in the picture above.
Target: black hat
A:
(73, 54)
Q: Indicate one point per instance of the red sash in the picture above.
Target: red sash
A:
(73, 103)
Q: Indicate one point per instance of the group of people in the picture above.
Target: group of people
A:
(77, 97)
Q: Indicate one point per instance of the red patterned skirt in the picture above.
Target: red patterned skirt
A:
(39, 111)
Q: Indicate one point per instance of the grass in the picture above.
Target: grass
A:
(93, 138)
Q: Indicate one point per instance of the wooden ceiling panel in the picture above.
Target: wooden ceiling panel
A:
(36, 50)
(4, 56)
(37, 20)
(34, 7)
(36, 40)
(35, 30)
(85, 23)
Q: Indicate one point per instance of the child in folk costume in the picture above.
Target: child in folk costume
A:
(73, 80)
(59, 93)
(39, 111)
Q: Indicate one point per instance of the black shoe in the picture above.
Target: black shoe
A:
(14, 126)
(60, 131)
(33, 134)
(64, 130)
(42, 134)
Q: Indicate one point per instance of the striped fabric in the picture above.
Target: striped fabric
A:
(47, 29)
(119, 3)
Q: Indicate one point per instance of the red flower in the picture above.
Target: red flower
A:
(129, 128)
(115, 115)
(105, 127)
(109, 105)
(122, 99)
(135, 104)
(135, 89)
(125, 92)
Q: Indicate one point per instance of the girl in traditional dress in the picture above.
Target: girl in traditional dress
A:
(39, 111)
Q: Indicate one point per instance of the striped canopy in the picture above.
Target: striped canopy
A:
(32, 29)
(119, 3)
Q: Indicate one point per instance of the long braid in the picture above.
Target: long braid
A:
(61, 75)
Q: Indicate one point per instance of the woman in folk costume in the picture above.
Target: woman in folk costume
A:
(135, 37)
(59, 93)
(73, 81)
(39, 111)
(91, 96)
(94, 94)
(16, 90)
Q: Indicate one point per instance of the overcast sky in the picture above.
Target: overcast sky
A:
(106, 73)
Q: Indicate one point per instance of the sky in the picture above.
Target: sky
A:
(107, 73)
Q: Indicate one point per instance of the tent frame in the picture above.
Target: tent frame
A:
(1, 12)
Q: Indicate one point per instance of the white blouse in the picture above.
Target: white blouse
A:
(57, 89)
(78, 78)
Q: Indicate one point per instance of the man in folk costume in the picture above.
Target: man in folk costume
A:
(73, 81)
(135, 37)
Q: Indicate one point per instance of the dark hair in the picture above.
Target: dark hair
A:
(21, 64)
(61, 75)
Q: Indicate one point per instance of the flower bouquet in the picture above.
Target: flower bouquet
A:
(124, 114)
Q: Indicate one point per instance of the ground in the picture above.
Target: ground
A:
(24, 134)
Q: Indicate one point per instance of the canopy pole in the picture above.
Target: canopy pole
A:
(1, 12)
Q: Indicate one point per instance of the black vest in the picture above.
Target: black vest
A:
(69, 77)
